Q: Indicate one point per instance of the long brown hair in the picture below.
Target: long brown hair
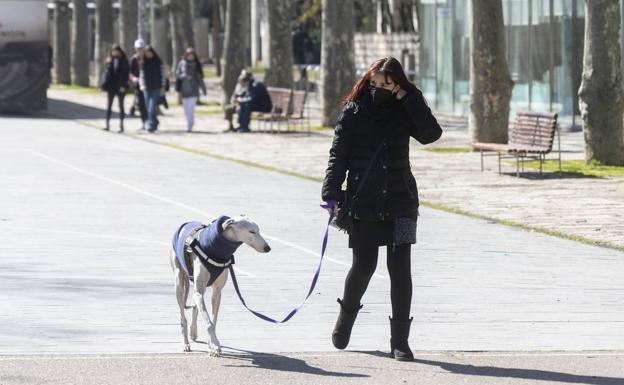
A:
(109, 55)
(144, 58)
(391, 68)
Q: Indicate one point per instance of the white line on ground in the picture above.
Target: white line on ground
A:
(176, 203)
(100, 235)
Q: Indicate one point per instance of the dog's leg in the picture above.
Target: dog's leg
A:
(182, 287)
(201, 280)
(217, 287)
(193, 323)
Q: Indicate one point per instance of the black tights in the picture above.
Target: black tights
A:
(399, 268)
(109, 106)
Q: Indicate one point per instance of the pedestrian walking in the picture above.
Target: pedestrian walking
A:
(115, 83)
(152, 80)
(189, 80)
(371, 150)
(135, 73)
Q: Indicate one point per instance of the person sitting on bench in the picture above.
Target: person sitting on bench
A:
(249, 95)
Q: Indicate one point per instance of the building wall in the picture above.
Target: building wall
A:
(544, 41)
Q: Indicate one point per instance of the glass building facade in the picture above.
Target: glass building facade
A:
(544, 42)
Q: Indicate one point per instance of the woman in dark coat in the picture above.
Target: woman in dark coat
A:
(382, 111)
(115, 82)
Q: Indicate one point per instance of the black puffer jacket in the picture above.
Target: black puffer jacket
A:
(390, 189)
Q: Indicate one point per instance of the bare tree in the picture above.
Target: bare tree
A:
(337, 61)
(181, 24)
(80, 44)
(216, 36)
(601, 94)
(397, 17)
(61, 49)
(103, 33)
(279, 72)
(128, 28)
(490, 83)
(234, 60)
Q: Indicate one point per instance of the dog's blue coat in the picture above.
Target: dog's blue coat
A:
(211, 241)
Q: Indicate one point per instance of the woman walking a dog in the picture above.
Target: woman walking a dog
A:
(380, 205)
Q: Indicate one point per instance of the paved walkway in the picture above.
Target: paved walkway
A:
(88, 218)
(583, 207)
(315, 369)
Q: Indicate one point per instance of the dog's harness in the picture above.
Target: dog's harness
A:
(213, 250)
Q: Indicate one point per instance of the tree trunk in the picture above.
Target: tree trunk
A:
(181, 25)
(176, 32)
(600, 95)
(380, 20)
(164, 46)
(80, 44)
(337, 61)
(234, 60)
(490, 83)
(279, 70)
(216, 36)
(62, 55)
(103, 33)
(396, 16)
(186, 21)
(128, 29)
(416, 24)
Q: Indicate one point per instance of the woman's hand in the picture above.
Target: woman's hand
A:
(331, 206)
(142, 88)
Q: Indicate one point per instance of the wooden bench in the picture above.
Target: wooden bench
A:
(297, 114)
(532, 137)
(281, 99)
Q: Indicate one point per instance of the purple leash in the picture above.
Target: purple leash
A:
(314, 280)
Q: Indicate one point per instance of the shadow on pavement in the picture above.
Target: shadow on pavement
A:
(63, 109)
(527, 374)
(282, 363)
(547, 175)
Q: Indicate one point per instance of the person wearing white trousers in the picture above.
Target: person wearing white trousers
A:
(189, 79)
(189, 110)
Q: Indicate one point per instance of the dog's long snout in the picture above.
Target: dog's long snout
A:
(267, 248)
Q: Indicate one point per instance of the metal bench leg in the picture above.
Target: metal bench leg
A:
(481, 160)
(517, 166)
(541, 162)
(499, 164)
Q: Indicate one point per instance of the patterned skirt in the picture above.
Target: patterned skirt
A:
(399, 231)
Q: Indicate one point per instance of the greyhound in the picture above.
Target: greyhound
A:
(200, 255)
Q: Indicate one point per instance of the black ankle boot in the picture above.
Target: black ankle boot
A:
(399, 348)
(344, 324)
